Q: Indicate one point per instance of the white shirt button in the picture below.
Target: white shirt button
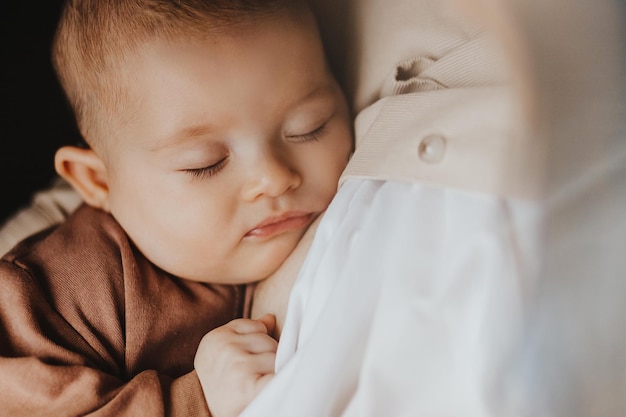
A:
(432, 148)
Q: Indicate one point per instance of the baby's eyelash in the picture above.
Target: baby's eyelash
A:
(310, 136)
(208, 171)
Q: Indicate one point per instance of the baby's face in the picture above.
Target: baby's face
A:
(233, 149)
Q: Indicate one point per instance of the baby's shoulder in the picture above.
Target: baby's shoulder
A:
(82, 255)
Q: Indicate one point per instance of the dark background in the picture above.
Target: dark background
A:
(36, 119)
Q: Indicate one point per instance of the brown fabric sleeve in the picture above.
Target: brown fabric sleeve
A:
(183, 399)
(48, 369)
(31, 387)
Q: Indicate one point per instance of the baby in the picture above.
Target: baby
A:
(215, 134)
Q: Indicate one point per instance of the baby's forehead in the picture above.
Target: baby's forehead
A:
(96, 44)
(178, 84)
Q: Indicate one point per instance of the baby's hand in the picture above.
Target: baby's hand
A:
(234, 362)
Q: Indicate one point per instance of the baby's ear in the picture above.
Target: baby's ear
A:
(86, 172)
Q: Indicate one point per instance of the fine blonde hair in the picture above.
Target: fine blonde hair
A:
(95, 38)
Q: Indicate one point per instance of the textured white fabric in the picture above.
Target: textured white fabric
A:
(483, 147)
(47, 207)
(413, 296)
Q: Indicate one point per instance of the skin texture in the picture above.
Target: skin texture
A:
(202, 106)
(272, 294)
(232, 148)
(234, 362)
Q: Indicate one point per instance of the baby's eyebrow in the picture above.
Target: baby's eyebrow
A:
(181, 136)
(318, 91)
(195, 131)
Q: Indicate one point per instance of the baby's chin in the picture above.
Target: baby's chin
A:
(243, 273)
(249, 264)
(264, 271)
(266, 261)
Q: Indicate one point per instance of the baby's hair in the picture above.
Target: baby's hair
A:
(95, 37)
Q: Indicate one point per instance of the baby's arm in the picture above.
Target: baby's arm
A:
(49, 368)
(234, 362)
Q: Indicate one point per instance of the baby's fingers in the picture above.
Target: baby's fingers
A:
(265, 324)
(269, 320)
(259, 369)
(262, 363)
(262, 382)
(256, 343)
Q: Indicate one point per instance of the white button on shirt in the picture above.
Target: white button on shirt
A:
(464, 138)
(432, 148)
